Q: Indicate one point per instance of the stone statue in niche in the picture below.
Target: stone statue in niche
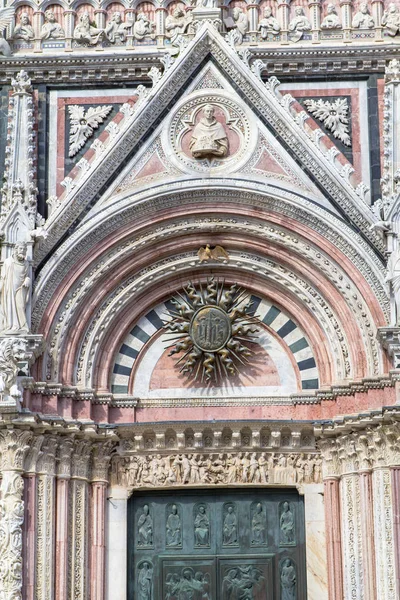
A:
(299, 24)
(288, 580)
(86, 32)
(393, 279)
(206, 3)
(173, 528)
(15, 286)
(331, 20)
(145, 581)
(286, 524)
(362, 19)
(143, 27)
(177, 23)
(239, 25)
(229, 528)
(268, 24)
(209, 136)
(145, 528)
(258, 531)
(116, 29)
(24, 30)
(391, 19)
(202, 528)
(51, 28)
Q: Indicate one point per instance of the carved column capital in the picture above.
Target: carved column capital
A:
(14, 444)
(101, 461)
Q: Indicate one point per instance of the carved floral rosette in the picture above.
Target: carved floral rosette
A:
(237, 122)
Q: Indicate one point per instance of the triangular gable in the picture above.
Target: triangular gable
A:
(333, 178)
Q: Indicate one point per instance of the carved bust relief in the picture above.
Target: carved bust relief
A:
(209, 131)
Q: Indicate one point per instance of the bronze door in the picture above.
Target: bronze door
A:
(199, 545)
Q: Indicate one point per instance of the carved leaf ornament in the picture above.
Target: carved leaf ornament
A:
(212, 327)
(334, 115)
(83, 124)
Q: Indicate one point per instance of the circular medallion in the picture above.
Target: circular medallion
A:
(210, 328)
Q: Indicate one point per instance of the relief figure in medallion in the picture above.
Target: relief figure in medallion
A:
(287, 524)
(209, 136)
(258, 526)
(173, 528)
(145, 527)
(288, 580)
(145, 581)
(229, 532)
(202, 527)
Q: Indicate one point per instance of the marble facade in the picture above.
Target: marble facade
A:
(155, 159)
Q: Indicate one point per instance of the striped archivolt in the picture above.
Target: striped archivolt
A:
(278, 326)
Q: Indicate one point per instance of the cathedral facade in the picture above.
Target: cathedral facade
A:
(199, 300)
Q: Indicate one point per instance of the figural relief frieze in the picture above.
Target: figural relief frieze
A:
(209, 131)
(187, 584)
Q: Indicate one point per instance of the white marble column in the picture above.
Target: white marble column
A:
(351, 537)
(13, 447)
(317, 576)
(45, 521)
(384, 534)
(116, 541)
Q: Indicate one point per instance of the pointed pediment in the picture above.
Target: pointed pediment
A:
(297, 140)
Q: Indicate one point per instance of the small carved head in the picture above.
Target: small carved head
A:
(237, 12)
(49, 16)
(24, 18)
(20, 251)
(299, 12)
(364, 8)
(331, 9)
(268, 12)
(117, 17)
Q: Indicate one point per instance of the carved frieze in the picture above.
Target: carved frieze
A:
(191, 469)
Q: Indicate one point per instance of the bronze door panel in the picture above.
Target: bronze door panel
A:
(208, 545)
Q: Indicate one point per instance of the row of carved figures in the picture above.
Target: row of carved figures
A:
(231, 530)
(183, 469)
(84, 30)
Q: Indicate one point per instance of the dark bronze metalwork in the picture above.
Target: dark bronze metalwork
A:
(213, 326)
(217, 546)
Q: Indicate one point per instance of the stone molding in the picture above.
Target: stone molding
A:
(208, 42)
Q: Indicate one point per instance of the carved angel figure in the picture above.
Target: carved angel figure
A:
(50, 28)
(217, 253)
(6, 16)
(24, 29)
(86, 33)
(143, 26)
(362, 19)
(116, 28)
(299, 24)
(331, 20)
(334, 116)
(269, 24)
(391, 19)
(82, 125)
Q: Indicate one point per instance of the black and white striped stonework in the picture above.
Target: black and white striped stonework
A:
(269, 314)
